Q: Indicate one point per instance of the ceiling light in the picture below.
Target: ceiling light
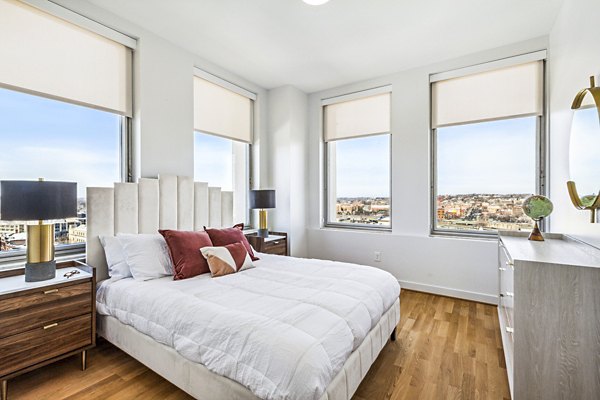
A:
(315, 2)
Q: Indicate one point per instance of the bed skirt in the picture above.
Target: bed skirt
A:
(201, 383)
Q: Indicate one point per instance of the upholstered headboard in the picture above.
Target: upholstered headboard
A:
(169, 202)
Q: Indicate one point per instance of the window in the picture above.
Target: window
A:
(223, 125)
(223, 163)
(61, 119)
(358, 153)
(487, 157)
(57, 141)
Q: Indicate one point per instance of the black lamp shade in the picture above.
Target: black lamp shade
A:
(37, 200)
(262, 199)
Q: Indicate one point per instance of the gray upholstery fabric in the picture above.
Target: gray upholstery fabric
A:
(170, 202)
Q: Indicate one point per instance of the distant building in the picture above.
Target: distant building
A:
(8, 228)
(77, 234)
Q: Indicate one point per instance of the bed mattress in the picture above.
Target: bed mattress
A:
(283, 329)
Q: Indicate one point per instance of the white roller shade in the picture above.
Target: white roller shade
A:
(48, 56)
(359, 117)
(508, 92)
(220, 111)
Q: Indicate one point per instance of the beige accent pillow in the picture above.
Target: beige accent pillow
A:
(225, 260)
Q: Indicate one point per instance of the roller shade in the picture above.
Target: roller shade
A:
(364, 116)
(48, 56)
(220, 111)
(507, 92)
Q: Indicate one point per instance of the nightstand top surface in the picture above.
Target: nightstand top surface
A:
(274, 237)
(13, 284)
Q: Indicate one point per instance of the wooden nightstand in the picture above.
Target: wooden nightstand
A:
(276, 243)
(43, 322)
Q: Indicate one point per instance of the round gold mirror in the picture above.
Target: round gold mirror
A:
(584, 154)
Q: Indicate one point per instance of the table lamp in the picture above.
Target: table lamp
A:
(40, 201)
(261, 200)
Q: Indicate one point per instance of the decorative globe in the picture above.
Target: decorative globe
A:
(588, 200)
(537, 207)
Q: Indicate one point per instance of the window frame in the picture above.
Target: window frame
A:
(77, 250)
(326, 189)
(541, 173)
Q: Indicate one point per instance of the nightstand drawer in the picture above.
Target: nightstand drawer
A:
(48, 305)
(276, 247)
(40, 344)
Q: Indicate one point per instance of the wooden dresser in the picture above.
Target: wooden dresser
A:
(549, 312)
(276, 243)
(42, 322)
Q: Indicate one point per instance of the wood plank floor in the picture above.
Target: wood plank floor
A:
(446, 349)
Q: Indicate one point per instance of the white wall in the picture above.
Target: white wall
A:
(458, 267)
(163, 99)
(574, 56)
(288, 138)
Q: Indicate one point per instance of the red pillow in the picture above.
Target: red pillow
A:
(225, 236)
(184, 247)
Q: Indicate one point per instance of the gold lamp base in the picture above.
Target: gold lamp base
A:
(40, 264)
(263, 230)
(535, 234)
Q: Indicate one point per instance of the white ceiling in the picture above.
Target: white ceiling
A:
(281, 42)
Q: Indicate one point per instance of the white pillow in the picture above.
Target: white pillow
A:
(115, 258)
(147, 255)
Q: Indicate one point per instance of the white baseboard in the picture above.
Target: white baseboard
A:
(444, 291)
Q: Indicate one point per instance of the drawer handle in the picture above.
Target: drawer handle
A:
(51, 291)
(510, 294)
(51, 325)
(510, 330)
(275, 242)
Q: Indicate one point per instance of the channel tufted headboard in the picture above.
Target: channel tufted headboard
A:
(169, 202)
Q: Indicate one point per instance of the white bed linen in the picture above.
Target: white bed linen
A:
(283, 329)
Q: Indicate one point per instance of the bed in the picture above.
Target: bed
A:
(288, 329)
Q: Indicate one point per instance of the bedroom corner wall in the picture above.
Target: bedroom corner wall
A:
(163, 100)
(464, 268)
(574, 56)
(288, 137)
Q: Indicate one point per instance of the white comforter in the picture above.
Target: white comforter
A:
(283, 329)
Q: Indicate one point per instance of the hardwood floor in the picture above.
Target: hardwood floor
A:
(446, 349)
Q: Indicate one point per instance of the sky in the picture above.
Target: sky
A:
(43, 138)
(213, 160)
(362, 166)
(491, 157)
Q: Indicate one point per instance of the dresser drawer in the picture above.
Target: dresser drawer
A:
(276, 247)
(40, 344)
(34, 310)
(506, 268)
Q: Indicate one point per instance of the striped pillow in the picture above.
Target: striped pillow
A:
(227, 259)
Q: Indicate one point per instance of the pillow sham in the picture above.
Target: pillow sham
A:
(225, 236)
(229, 259)
(115, 258)
(147, 255)
(184, 250)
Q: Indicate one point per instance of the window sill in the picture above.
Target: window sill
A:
(360, 228)
(464, 235)
(19, 262)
